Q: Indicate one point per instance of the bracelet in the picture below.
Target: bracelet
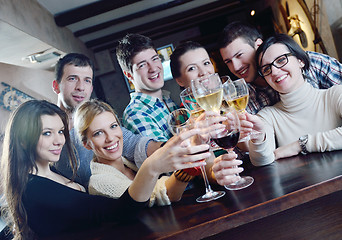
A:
(182, 176)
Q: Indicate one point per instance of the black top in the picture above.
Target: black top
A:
(53, 208)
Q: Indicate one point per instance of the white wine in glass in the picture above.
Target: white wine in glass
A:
(208, 92)
(236, 94)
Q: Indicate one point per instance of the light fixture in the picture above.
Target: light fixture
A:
(43, 57)
(252, 12)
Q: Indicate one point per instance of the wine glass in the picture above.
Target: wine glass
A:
(227, 138)
(179, 120)
(224, 80)
(190, 103)
(236, 94)
(208, 92)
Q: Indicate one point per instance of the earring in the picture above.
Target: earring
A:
(301, 63)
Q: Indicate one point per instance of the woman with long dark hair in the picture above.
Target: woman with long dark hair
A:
(43, 203)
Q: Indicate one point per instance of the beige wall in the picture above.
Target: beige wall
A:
(29, 17)
(322, 23)
(35, 83)
(334, 8)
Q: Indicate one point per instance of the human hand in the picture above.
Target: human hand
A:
(210, 124)
(177, 154)
(288, 150)
(253, 126)
(225, 168)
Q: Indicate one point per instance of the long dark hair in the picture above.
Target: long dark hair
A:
(19, 157)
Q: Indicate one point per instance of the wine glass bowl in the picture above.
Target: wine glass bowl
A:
(236, 94)
(228, 137)
(190, 103)
(178, 120)
(208, 92)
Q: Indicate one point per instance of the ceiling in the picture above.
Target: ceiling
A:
(99, 24)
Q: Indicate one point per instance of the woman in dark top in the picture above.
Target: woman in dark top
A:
(42, 203)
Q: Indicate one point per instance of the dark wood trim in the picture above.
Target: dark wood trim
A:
(163, 27)
(69, 17)
(142, 13)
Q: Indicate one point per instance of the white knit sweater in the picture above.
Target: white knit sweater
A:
(307, 110)
(107, 181)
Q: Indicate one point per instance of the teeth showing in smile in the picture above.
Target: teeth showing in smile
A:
(243, 72)
(280, 79)
(154, 77)
(112, 147)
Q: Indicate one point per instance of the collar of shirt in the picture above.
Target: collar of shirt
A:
(150, 100)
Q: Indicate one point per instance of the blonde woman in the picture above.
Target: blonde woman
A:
(99, 130)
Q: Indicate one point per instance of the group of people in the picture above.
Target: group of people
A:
(70, 166)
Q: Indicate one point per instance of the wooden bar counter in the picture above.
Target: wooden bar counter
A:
(293, 198)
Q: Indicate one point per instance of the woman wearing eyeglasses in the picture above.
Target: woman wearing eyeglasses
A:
(305, 120)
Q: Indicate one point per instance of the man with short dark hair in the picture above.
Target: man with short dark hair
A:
(149, 105)
(238, 43)
(74, 84)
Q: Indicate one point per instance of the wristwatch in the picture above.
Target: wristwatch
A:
(302, 142)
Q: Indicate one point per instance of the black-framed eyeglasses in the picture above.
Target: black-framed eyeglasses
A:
(279, 62)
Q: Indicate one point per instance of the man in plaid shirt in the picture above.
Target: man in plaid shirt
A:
(238, 44)
(149, 106)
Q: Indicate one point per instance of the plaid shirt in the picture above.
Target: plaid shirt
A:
(147, 115)
(323, 73)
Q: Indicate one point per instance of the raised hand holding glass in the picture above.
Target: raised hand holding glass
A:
(179, 120)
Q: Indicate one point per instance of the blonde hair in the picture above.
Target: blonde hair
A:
(85, 115)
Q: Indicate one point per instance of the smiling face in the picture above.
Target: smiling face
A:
(239, 57)
(147, 71)
(104, 137)
(287, 78)
(51, 140)
(75, 86)
(194, 64)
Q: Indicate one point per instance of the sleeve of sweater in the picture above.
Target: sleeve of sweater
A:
(332, 139)
(262, 154)
(159, 195)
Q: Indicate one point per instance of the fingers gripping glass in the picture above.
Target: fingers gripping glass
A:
(179, 120)
(279, 62)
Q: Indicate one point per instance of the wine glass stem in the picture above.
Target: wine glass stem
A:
(206, 181)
